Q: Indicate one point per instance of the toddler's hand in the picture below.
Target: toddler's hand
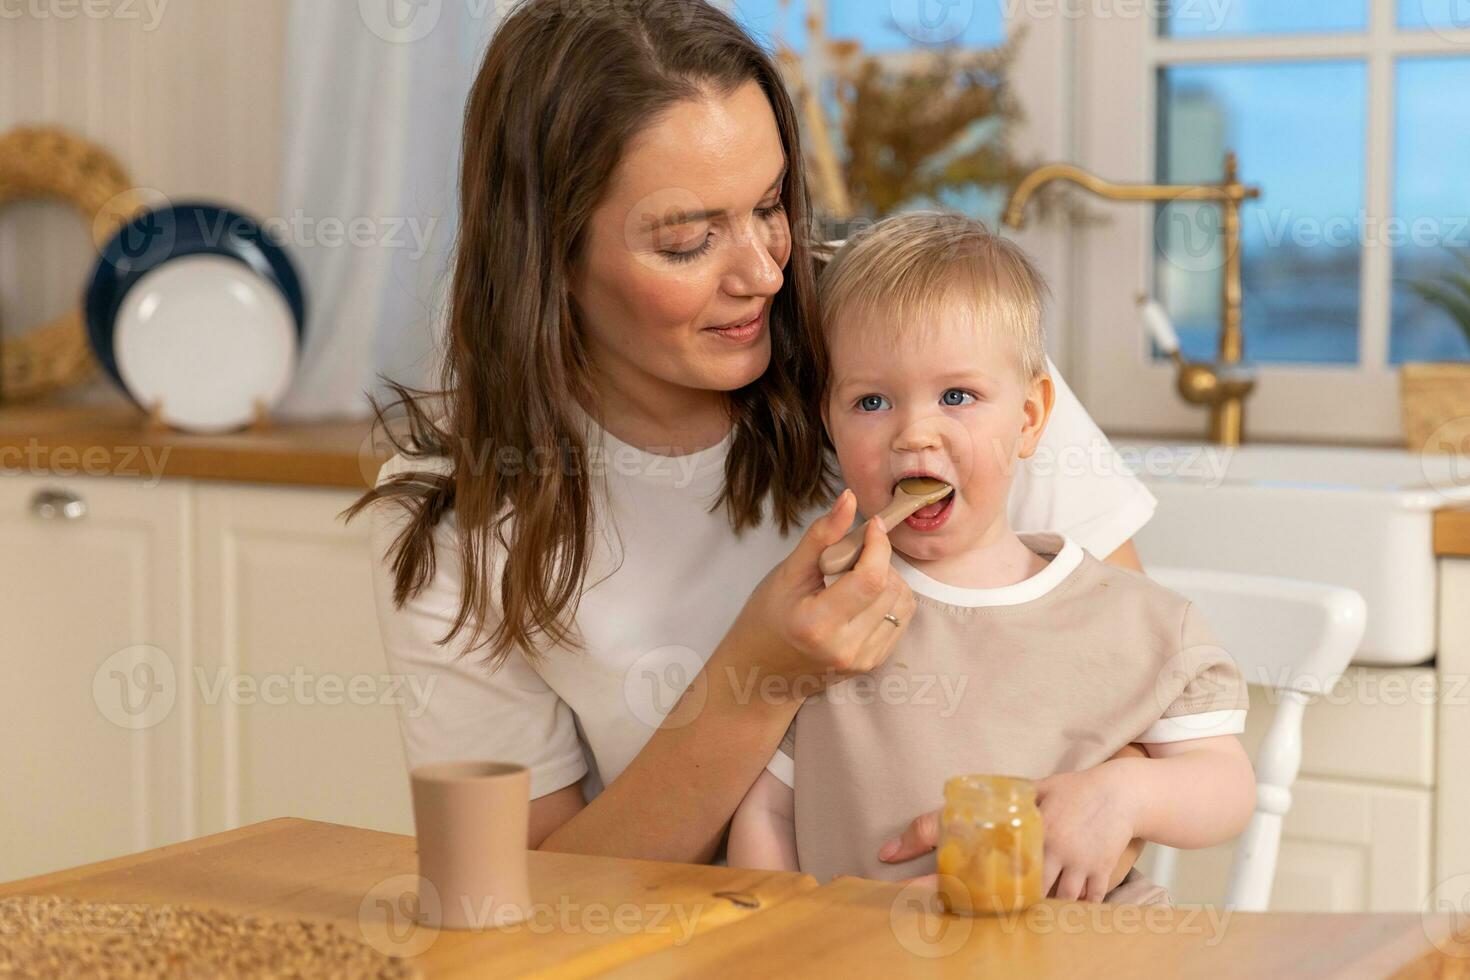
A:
(1088, 823)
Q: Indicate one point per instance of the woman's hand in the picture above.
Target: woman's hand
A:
(810, 635)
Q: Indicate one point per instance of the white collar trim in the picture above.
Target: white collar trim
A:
(1068, 557)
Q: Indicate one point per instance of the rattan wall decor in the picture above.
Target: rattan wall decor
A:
(50, 163)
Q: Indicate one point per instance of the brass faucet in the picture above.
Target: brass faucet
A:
(1223, 385)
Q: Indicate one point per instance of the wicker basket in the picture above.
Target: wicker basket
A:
(1436, 407)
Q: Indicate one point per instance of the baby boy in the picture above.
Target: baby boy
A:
(1053, 660)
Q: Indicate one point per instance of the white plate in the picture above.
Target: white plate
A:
(207, 337)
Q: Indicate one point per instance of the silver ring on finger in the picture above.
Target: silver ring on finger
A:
(892, 619)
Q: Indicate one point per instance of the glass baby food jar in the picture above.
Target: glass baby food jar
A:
(989, 845)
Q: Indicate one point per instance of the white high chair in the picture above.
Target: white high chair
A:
(1294, 638)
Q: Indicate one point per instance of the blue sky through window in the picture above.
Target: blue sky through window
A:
(1298, 129)
(881, 25)
(1431, 201)
(1453, 14)
(1215, 18)
(769, 21)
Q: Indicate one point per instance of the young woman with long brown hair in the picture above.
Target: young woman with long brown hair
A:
(592, 541)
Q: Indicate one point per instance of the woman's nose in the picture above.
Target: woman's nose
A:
(754, 269)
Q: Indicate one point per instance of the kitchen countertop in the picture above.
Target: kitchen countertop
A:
(1452, 533)
(115, 440)
(91, 440)
(642, 919)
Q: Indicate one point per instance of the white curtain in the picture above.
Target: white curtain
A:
(374, 97)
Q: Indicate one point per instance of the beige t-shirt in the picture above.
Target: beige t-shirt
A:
(1053, 674)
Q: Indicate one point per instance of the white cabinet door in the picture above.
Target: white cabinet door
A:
(96, 761)
(296, 713)
(1345, 847)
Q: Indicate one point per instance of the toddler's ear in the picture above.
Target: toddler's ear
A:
(1041, 396)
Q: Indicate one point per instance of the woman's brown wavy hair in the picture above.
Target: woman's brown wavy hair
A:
(564, 86)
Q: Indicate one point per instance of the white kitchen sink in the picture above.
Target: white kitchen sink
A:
(1362, 518)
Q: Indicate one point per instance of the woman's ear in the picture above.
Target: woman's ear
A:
(1041, 396)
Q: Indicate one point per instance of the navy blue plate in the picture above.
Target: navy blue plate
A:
(156, 237)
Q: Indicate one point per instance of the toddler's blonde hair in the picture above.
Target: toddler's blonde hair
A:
(910, 266)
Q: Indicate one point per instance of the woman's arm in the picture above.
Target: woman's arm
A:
(1126, 557)
(551, 811)
(674, 801)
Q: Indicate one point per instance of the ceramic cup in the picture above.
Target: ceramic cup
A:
(470, 819)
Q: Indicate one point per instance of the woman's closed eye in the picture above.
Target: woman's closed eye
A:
(690, 254)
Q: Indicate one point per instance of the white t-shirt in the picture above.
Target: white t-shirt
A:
(668, 577)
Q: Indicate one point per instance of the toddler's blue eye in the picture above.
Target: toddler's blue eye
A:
(955, 397)
(872, 403)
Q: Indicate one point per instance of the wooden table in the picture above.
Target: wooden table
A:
(640, 919)
(590, 914)
(857, 928)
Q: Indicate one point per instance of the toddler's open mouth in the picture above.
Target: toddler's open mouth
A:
(931, 516)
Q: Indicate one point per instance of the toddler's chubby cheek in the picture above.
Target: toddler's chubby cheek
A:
(869, 481)
(874, 493)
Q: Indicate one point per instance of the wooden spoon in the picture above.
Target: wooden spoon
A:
(908, 496)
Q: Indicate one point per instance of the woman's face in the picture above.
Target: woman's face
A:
(680, 261)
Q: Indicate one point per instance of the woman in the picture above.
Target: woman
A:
(601, 520)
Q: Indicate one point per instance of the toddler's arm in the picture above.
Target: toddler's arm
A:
(1191, 793)
(763, 832)
(1195, 793)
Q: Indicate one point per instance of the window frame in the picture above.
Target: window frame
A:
(1123, 386)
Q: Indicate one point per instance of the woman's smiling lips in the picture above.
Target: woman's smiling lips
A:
(744, 331)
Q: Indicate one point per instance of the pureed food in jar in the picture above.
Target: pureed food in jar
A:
(989, 845)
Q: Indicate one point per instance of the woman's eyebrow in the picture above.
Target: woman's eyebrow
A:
(686, 217)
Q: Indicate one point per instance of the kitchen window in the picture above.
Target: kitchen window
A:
(1352, 117)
